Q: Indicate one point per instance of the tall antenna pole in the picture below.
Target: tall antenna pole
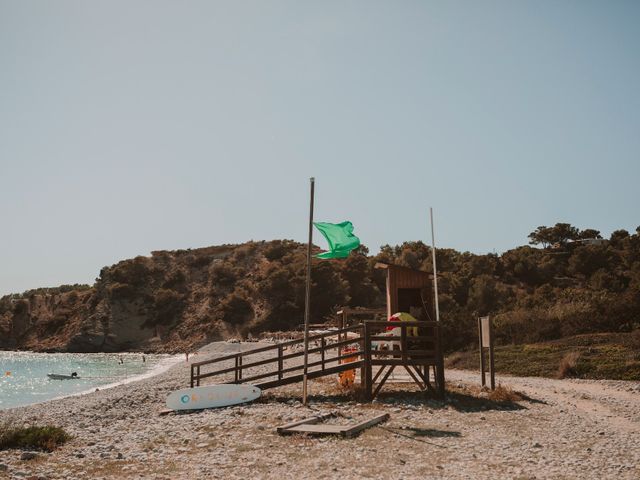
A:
(307, 300)
(435, 270)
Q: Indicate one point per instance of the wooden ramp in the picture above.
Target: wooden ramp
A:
(369, 348)
(281, 364)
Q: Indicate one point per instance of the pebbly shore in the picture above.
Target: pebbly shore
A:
(559, 429)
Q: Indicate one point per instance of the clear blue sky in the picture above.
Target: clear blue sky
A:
(131, 126)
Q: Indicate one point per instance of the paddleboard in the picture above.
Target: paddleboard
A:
(212, 396)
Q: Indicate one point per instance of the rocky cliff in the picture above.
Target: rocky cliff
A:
(176, 300)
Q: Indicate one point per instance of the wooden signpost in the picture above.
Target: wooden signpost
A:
(485, 333)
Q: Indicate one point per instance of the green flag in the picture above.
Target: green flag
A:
(340, 238)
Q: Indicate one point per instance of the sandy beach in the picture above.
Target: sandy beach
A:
(562, 429)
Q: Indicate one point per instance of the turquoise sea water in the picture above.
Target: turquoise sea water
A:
(23, 375)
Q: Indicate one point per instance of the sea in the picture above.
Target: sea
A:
(24, 381)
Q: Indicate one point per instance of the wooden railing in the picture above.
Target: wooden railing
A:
(324, 344)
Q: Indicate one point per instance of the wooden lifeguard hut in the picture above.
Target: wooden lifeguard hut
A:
(414, 347)
(408, 289)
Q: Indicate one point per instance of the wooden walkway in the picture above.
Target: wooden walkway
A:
(375, 348)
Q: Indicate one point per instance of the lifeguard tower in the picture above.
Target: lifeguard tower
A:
(361, 334)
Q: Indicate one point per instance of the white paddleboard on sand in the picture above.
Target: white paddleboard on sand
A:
(212, 396)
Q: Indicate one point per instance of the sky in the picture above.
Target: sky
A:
(133, 126)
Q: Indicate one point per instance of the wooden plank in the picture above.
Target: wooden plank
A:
(382, 382)
(366, 424)
(399, 362)
(415, 379)
(310, 375)
(308, 420)
(313, 426)
(486, 331)
(316, 428)
(398, 323)
(375, 378)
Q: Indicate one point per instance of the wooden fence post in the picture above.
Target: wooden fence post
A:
(492, 372)
(367, 362)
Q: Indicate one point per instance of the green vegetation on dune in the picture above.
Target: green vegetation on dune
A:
(599, 356)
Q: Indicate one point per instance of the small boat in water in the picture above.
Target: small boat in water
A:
(57, 376)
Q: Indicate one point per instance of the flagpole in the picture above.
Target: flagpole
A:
(435, 271)
(307, 297)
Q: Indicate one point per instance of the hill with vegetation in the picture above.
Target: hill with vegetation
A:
(568, 282)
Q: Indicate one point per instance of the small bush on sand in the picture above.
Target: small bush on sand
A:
(46, 438)
(504, 394)
(567, 367)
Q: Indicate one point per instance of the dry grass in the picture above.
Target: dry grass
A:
(567, 367)
(634, 340)
(614, 356)
(504, 394)
(455, 360)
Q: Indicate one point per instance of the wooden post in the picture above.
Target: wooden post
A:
(492, 372)
(368, 387)
(483, 382)
(440, 374)
(198, 379)
(363, 369)
(342, 336)
(322, 345)
(280, 362)
(240, 368)
(485, 329)
(308, 296)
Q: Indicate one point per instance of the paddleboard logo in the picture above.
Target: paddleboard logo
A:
(185, 398)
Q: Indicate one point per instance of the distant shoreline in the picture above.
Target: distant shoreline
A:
(162, 366)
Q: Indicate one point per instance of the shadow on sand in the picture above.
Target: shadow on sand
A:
(460, 399)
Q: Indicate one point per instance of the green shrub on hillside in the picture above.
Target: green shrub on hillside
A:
(133, 272)
(236, 310)
(20, 307)
(168, 304)
(121, 291)
(224, 274)
(175, 280)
